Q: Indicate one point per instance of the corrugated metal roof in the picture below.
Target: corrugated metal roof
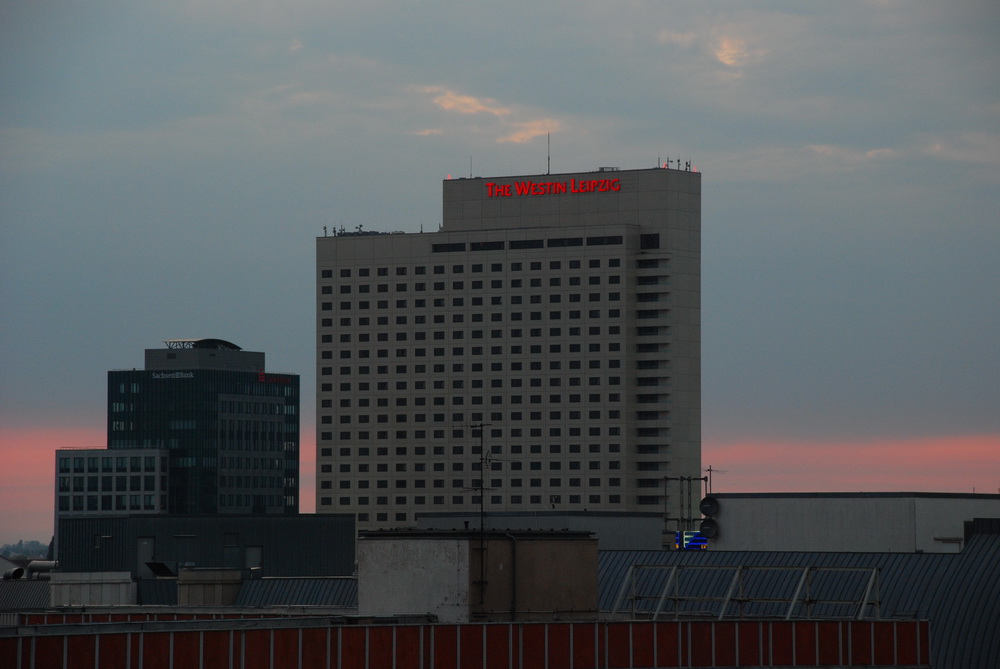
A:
(959, 593)
(23, 594)
(330, 592)
(966, 607)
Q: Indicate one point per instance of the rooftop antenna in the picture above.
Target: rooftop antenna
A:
(710, 471)
(548, 153)
(470, 167)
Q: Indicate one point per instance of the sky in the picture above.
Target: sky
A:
(166, 166)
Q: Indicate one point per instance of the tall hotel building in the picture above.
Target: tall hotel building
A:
(542, 349)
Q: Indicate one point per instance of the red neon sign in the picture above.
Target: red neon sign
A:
(271, 378)
(522, 188)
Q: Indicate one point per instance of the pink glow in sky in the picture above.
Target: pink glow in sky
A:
(934, 464)
(27, 477)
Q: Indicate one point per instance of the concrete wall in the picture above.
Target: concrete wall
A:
(92, 589)
(208, 587)
(642, 196)
(536, 579)
(414, 576)
(527, 576)
(860, 522)
(939, 523)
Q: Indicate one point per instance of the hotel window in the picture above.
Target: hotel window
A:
(650, 241)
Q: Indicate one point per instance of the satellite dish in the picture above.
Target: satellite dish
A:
(709, 506)
(709, 528)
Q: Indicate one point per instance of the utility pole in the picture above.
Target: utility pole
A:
(484, 465)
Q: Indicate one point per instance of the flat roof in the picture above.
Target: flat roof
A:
(850, 495)
(430, 515)
(597, 170)
(217, 344)
(408, 533)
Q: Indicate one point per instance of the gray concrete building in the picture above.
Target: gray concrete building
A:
(540, 351)
(859, 522)
(463, 576)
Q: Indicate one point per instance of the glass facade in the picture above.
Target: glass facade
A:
(232, 436)
(138, 484)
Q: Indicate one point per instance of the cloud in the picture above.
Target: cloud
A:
(531, 129)
(732, 52)
(967, 147)
(845, 154)
(465, 104)
(777, 162)
(511, 129)
(721, 43)
(683, 40)
(736, 55)
(428, 132)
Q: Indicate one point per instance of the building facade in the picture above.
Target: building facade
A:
(468, 576)
(541, 351)
(96, 481)
(857, 522)
(163, 545)
(230, 430)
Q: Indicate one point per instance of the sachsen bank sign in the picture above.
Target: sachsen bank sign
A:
(522, 188)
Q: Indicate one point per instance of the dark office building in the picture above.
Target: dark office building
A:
(231, 430)
(162, 545)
